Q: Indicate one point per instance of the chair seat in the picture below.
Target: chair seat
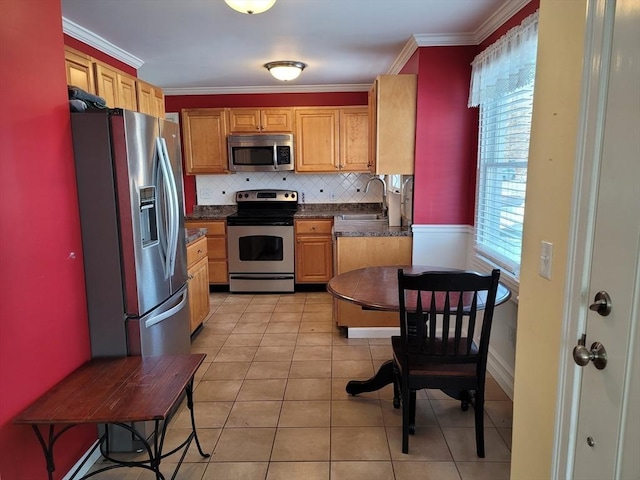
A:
(421, 366)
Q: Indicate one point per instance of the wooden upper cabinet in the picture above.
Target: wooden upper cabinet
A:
(158, 97)
(146, 98)
(127, 95)
(204, 135)
(79, 70)
(317, 139)
(266, 120)
(392, 112)
(107, 84)
(354, 140)
(119, 89)
(332, 139)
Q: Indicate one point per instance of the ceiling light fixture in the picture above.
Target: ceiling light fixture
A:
(285, 70)
(250, 6)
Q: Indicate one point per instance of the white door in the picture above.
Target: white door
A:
(604, 404)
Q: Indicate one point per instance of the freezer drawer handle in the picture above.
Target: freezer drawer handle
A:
(157, 319)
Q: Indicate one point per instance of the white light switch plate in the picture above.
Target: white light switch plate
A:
(546, 259)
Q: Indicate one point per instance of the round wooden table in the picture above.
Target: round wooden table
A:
(376, 288)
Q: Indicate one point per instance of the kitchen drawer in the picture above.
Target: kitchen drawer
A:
(196, 250)
(217, 248)
(314, 227)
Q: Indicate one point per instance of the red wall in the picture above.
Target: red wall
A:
(43, 323)
(447, 130)
(177, 102)
(446, 137)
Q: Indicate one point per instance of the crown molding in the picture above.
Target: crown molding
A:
(356, 87)
(495, 21)
(80, 33)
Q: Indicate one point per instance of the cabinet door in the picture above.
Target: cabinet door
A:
(276, 120)
(354, 139)
(127, 92)
(394, 123)
(107, 85)
(146, 98)
(244, 120)
(158, 98)
(314, 259)
(198, 287)
(204, 132)
(314, 250)
(317, 140)
(79, 70)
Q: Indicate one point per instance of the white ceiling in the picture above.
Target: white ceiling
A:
(203, 46)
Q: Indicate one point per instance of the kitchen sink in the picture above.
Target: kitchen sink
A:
(360, 216)
(360, 221)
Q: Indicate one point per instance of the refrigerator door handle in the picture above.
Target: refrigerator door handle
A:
(168, 313)
(172, 237)
(175, 221)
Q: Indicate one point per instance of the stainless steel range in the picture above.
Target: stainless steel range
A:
(261, 241)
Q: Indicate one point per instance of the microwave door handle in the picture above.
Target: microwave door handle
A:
(275, 156)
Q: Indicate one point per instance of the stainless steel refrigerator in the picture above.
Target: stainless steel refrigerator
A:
(129, 178)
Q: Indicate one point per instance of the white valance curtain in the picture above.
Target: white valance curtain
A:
(508, 64)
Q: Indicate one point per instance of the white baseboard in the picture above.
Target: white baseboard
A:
(372, 332)
(501, 372)
(93, 458)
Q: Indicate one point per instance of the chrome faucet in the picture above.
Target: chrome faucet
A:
(384, 193)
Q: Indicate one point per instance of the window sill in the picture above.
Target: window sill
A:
(484, 265)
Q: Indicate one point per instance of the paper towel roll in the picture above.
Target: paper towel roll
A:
(394, 209)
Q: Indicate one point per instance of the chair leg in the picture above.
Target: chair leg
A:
(412, 412)
(479, 417)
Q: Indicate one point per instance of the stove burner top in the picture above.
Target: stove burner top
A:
(264, 207)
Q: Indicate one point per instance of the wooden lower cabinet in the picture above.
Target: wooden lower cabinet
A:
(216, 248)
(198, 282)
(314, 251)
(353, 253)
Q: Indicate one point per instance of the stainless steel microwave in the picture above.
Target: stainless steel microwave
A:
(260, 153)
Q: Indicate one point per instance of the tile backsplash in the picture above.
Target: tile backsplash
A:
(311, 188)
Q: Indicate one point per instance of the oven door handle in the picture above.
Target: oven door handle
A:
(248, 277)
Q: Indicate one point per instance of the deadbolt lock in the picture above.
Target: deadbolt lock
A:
(601, 304)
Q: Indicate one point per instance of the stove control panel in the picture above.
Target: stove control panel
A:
(266, 196)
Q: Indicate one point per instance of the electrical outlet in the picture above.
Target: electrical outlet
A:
(332, 195)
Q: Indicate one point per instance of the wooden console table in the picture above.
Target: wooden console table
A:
(118, 391)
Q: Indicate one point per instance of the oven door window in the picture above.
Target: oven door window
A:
(261, 248)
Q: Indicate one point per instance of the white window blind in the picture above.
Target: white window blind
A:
(502, 85)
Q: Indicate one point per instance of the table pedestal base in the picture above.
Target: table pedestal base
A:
(384, 376)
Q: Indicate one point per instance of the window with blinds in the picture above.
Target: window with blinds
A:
(505, 126)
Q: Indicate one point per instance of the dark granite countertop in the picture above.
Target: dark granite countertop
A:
(376, 231)
(316, 210)
(211, 212)
(193, 234)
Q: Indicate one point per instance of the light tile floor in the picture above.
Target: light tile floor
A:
(270, 404)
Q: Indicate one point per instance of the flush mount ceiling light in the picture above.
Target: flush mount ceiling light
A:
(250, 6)
(285, 70)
